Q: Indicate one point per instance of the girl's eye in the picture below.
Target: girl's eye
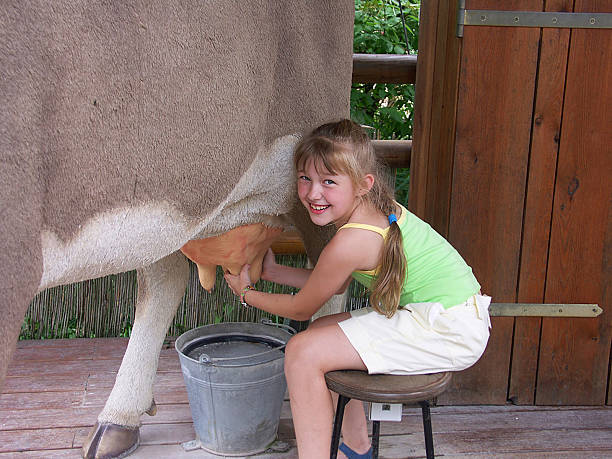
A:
(303, 177)
(328, 182)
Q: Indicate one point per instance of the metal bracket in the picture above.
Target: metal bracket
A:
(544, 310)
(530, 19)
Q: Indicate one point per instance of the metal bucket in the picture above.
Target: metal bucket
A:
(235, 384)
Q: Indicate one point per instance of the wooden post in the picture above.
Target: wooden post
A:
(546, 127)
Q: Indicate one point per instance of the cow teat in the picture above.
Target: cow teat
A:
(232, 250)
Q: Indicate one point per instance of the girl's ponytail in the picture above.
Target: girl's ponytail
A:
(387, 288)
(392, 271)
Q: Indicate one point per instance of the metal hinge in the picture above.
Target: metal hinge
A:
(530, 19)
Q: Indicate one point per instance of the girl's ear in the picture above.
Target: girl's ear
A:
(366, 184)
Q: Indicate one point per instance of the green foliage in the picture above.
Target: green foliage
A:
(29, 329)
(225, 315)
(387, 108)
(379, 30)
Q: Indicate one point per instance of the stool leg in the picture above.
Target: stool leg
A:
(342, 401)
(375, 437)
(429, 448)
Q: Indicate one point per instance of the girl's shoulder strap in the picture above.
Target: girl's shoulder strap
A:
(382, 231)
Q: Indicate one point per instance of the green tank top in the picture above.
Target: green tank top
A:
(435, 270)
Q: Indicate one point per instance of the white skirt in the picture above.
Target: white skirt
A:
(421, 337)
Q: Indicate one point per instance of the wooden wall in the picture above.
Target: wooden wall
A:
(512, 159)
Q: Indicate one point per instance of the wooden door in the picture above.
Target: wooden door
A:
(527, 197)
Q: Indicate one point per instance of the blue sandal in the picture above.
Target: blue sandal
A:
(350, 454)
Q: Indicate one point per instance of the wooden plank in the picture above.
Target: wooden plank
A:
(495, 105)
(37, 439)
(86, 344)
(474, 431)
(51, 354)
(45, 418)
(76, 382)
(435, 114)
(556, 454)
(39, 383)
(574, 354)
(41, 400)
(422, 127)
(455, 429)
(489, 443)
(70, 349)
(477, 410)
(546, 126)
(289, 243)
(177, 452)
(84, 367)
(162, 380)
(45, 454)
(384, 68)
(64, 368)
(443, 120)
(485, 421)
(394, 153)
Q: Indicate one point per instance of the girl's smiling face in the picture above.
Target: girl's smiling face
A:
(329, 198)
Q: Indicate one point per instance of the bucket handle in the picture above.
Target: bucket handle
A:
(266, 321)
(212, 361)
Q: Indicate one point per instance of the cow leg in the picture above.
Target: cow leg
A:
(16, 291)
(160, 289)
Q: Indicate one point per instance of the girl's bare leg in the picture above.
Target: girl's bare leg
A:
(354, 424)
(309, 355)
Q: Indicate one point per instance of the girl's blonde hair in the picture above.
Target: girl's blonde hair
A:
(343, 147)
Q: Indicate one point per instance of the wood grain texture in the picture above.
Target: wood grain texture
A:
(574, 354)
(422, 127)
(546, 127)
(495, 105)
(384, 68)
(29, 428)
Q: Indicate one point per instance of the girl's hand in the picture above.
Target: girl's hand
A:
(268, 266)
(238, 283)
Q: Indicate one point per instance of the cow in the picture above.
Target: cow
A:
(129, 129)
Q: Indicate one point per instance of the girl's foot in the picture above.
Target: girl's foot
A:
(351, 454)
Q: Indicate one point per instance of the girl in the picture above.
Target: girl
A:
(426, 312)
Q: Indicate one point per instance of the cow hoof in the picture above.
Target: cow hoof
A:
(152, 411)
(106, 441)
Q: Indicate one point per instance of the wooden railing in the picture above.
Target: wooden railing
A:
(384, 68)
(370, 68)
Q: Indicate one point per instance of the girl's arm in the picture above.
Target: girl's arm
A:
(285, 275)
(336, 262)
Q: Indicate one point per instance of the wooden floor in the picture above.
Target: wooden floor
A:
(55, 390)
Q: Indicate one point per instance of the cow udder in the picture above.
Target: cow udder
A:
(232, 250)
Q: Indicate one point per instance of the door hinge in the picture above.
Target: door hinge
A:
(530, 19)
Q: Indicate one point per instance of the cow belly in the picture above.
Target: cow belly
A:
(132, 237)
(116, 241)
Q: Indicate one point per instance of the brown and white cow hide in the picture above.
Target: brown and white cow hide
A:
(129, 128)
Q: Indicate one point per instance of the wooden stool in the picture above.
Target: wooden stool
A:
(360, 385)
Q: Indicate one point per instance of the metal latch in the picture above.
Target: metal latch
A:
(530, 19)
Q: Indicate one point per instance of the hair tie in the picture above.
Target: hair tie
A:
(392, 218)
